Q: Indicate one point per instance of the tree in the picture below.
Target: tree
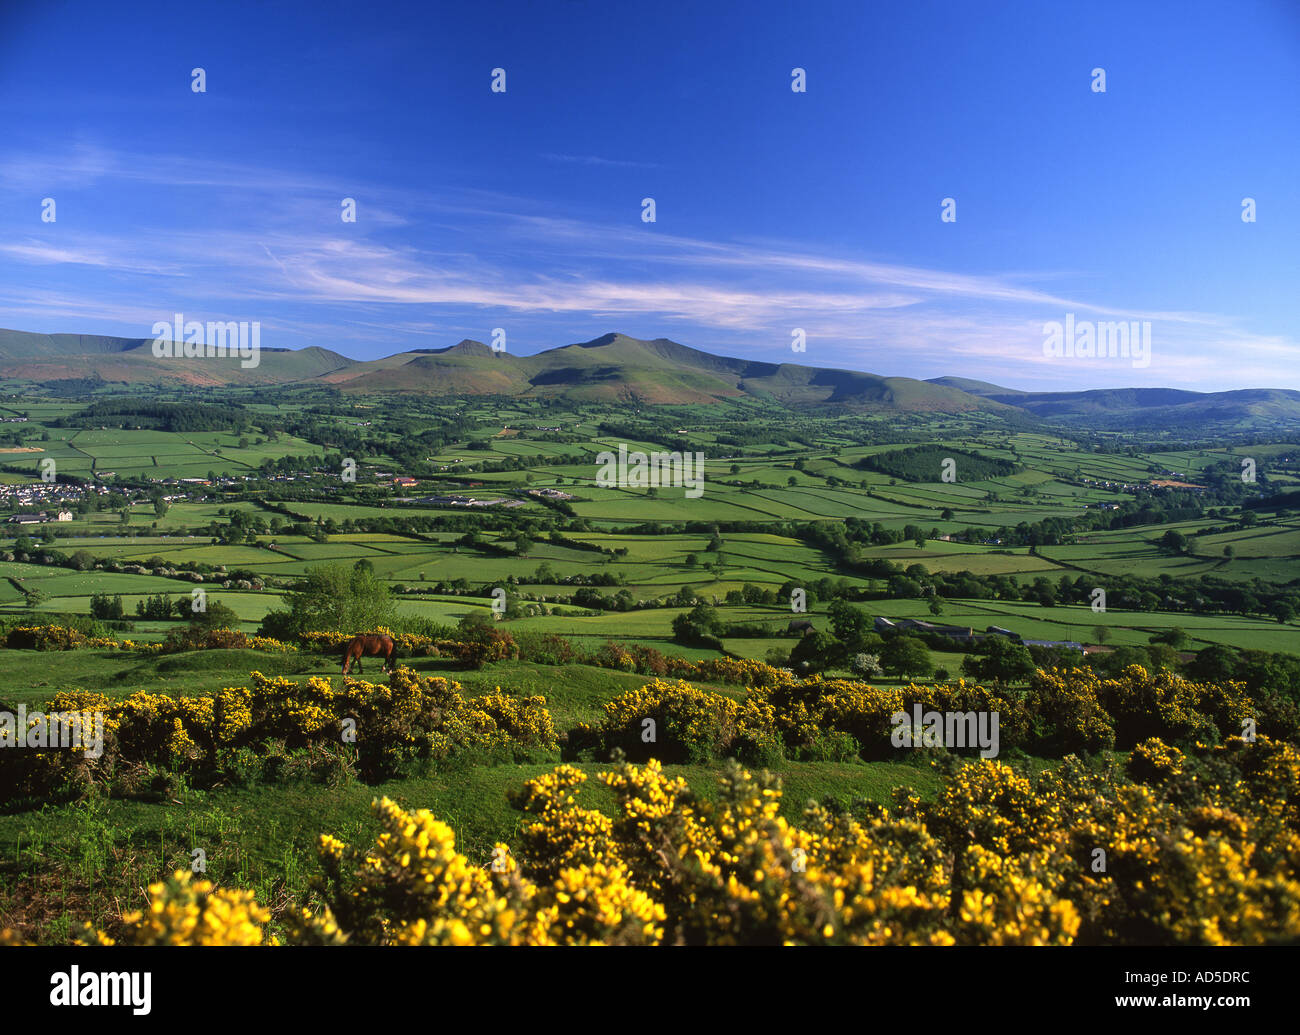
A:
(1162, 657)
(215, 615)
(816, 652)
(160, 507)
(522, 545)
(107, 608)
(157, 608)
(1002, 661)
(1121, 658)
(849, 623)
(1100, 633)
(777, 657)
(1217, 663)
(936, 606)
(699, 625)
(867, 665)
(335, 598)
(1173, 541)
(906, 656)
(1173, 636)
(82, 560)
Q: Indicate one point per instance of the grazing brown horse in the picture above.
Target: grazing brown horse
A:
(368, 644)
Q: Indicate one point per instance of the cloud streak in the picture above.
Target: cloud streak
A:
(283, 250)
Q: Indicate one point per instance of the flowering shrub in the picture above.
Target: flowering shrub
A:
(494, 646)
(44, 637)
(57, 637)
(1063, 712)
(1085, 712)
(216, 639)
(385, 729)
(324, 642)
(690, 725)
(807, 718)
(547, 648)
(1077, 854)
(185, 911)
(740, 671)
(143, 648)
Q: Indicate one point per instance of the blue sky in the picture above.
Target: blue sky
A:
(774, 209)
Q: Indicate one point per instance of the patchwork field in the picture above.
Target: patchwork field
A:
(790, 510)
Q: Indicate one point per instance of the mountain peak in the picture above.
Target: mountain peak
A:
(611, 338)
(464, 347)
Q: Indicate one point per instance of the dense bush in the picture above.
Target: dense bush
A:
(383, 730)
(1077, 855)
(1064, 711)
(192, 637)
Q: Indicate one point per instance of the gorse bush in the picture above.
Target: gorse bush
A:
(675, 722)
(1080, 854)
(193, 637)
(1062, 712)
(385, 729)
(51, 637)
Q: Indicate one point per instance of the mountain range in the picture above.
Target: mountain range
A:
(618, 368)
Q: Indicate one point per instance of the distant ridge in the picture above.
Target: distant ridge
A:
(1145, 407)
(616, 368)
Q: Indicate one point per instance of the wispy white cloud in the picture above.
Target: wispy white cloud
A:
(459, 258)
(597, 160)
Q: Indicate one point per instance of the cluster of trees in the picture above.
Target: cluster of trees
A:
(288, 464)
(902, 656)
(926, 464)
(162, 608)
(852, 642)
(701, 626)
(107, 608)
(166, 416)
